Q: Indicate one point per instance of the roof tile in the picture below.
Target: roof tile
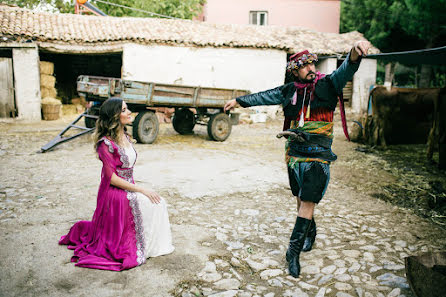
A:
(99, 33)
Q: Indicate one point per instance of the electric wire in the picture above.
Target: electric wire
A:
(137, 9)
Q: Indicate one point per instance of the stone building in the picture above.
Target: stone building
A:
(168, 51)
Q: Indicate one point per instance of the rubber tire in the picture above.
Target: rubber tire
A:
(219, 127)
(183, 121)
(91, 123)
(146, 127)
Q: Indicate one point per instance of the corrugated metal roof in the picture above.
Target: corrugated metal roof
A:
(94, 34)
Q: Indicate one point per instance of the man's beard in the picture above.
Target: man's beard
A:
(305, 80)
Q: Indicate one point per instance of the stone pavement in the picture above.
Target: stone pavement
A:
(231, 214)
(359, 251)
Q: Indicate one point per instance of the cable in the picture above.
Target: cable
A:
(137, 9)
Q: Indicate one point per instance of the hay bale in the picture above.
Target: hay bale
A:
(46, 67)
(47, 81)
(79, 101)
(48, 92)
(69, 109)
(51, 108)
(51, 101)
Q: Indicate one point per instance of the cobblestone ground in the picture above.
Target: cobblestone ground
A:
(231, 213)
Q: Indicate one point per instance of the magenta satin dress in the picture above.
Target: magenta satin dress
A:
(115, 238)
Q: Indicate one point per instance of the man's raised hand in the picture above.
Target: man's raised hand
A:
(360, 48)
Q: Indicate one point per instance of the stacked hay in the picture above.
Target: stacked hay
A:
(47, 80)
(51, 108)
(79, 104)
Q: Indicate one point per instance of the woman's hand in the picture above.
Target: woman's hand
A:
(153, 196)
(125, 185)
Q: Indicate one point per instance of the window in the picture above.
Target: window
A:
(258, 18)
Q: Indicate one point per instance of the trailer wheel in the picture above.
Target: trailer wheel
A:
(89, 122)
(146, 127)
(183, 121)
(219, 127)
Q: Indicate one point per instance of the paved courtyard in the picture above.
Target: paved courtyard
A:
(231, 213)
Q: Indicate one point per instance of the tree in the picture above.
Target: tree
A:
(425, 19)
(184, 9)
(398, 25)
(51, 5)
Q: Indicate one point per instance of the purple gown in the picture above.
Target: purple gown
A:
(114, 238)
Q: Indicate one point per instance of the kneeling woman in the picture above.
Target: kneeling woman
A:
(130, 223)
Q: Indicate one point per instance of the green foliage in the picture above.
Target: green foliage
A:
(439, 79)
(425, 19)
(394, 25)
(409, 76)
(184, 9)
(114, 10)
(51, 5)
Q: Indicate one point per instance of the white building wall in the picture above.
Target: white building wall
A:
(327, 66)
(27, 83)
(362, 80)
(233, 68)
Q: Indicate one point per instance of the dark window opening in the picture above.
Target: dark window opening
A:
(5, 53)
(67, 68)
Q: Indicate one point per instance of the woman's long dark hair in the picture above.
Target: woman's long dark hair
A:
(109, 123)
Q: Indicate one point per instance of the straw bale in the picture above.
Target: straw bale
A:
(79, 101)
(51, 101)
(46, 68)
(47, 81)
(69, 109)
(48, 92)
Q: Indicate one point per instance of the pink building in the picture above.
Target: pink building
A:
(318, 15)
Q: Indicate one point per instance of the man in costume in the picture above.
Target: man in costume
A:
(308, 105)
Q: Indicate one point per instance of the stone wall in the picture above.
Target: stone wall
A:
(362, 80)
(232, 68)
(327, 66)
(27, 82)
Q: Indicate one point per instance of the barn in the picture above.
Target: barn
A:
(168, 51)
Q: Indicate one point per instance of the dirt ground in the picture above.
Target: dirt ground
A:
(229, 203)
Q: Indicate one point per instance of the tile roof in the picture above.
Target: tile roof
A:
(86, 33)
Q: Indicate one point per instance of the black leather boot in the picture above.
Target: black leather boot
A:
(311, 237)
(297, 239)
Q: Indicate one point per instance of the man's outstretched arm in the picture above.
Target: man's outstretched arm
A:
(269, 97)
(345, 72)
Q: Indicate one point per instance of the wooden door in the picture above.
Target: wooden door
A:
(7, 104)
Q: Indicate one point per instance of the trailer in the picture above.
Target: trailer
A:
(193, 105)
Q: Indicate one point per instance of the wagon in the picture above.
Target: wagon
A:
(193, 105)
